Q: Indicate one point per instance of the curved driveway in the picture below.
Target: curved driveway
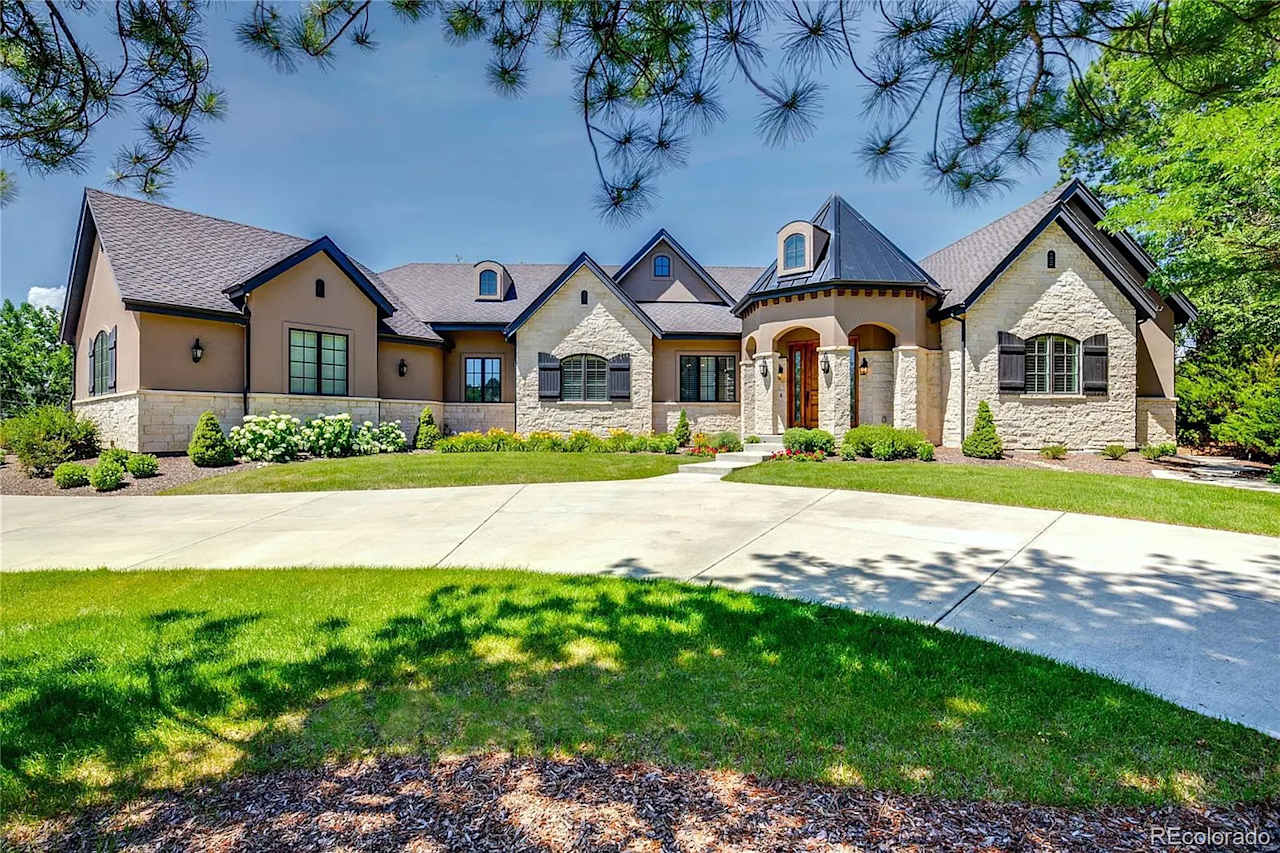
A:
(1191, 614)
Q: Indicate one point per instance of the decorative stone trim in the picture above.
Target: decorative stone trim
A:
(1157, 420)
(116, 416)
(833, 390)
(703, 417)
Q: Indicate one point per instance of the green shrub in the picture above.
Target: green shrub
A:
(752, 439)
(465, 442)
(1274, 476)
(267, 438)
(544, 441)
(1159, 451)
(663, 444)
(106, 476)
(983, 442)
(45, 437)
(428, 433)
(582, 441)
(924, 451)
(208, 447)
(69, 475)
(882, 450)
(329, 436)
(141, 465)
(637, 444)
(617, 440)
(118, 455)
(682, 431)
(1114, 451)
(1054, 451)
(726, 442)
(809, 440)
(861, 440)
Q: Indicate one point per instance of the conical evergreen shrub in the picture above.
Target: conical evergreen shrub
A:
(208, 447)
(983, 442)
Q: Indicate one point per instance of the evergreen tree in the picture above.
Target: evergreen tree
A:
(983, 442)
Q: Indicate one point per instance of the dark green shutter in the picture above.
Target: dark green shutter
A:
(1013, 362)
(620, 377)
(1094, 365)
(548, 376)
(111, 360)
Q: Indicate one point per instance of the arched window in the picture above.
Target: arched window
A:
(1053, 365)
(584, 377)
(661, 266)
(488, 283)
(582, 297)
(793, 252)
(319, 288)
(1051, 260)
(101, 380)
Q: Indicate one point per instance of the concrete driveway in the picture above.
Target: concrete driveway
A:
(1190, 614)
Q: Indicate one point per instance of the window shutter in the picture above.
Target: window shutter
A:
(92, 388)
(620, 377)
(1013, 362)
(548, 376)
(1094, 365)
(111, 360)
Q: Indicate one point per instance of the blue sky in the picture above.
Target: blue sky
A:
(406, 154)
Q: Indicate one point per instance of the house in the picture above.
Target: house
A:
(1039, 313)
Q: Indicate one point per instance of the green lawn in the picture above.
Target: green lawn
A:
(113, 682)
(1100, 494)
(414, 470)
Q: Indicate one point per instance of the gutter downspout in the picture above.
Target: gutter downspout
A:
(244, 396)
(964, 370)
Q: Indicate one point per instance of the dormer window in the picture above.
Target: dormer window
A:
(1051, 260)
(661, 266)
(488, 283)
(793, 252)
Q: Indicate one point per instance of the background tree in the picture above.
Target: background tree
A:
(35, 368)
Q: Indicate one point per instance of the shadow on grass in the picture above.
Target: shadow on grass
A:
(270, 669)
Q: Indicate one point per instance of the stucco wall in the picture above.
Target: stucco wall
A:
(684, 285)
(703, 417)
(424, 378)
(166, 354)
(1156, 355)
(478, 344)
(834, 313)
(116, 416)
(289, 302)
(666, 362)
(605, 327)
(101, 309)
(1075, 299)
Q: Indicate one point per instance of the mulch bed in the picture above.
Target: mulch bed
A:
(499, 803)
(174, 471)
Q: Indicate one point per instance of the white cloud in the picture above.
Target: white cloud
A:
(50, 296)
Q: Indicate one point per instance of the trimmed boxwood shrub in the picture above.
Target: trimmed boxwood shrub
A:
(141, 465)
(208, 447)
(752, 439)
(924, 451)
(803, 440)
(726, 442)
(682, 431)
(106, 476)
(900, 443)
(983, 442)
(45, 437)
(118, 455)
(69, 475)
(428, 433)
(1274, 476)
(663, 444)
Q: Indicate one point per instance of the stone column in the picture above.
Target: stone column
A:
(905, 381)
(833, 390)
(768, 417)
(747, 378)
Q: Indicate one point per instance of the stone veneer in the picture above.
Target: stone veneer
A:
(116, 416)
(606, 327)
(703, 417)
(478, 417)
(833, 390)
(875, 400)
(1075, 299)
(1157, 420)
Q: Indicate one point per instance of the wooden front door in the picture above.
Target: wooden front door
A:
(802, 389)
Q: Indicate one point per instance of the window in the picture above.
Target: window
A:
(661, 266)
(584, 377)
(1051, 260)
(319, 288)
(100, 381)
(483, 377)
(1053, 365)
(582, 297)
(707, 379)
(488, 283)
(793, 252)
(317, 363)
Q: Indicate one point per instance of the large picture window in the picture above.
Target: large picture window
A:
(584, 377)
(1053, 365)
(707, 379)
(483, 377)
(317, 363)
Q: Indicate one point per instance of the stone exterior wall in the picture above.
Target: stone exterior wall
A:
(769, 398)
(833, 390)
(1076, 299)
(875, 401)
(168, 418)
(748, 376)
(479, 417)
(302, 406)
(1157, 420)
(951, 365)
(606, 327)
(703, 417)
(116, 416)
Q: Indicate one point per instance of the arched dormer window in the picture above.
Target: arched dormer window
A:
(1051, 259)
(582, 297)
(584, 377)
(661, 266)
(488, 283)
(793, 252)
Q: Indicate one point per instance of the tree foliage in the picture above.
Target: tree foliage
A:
(35, 367)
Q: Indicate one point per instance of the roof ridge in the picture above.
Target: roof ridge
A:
(1056, 190)
(201, 215)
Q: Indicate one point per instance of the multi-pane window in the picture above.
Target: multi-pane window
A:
(661, 266)
(488, 283)
(707, 379)
(793, 252)
(483, 380)
(1053, 365)
(101, 364)
(317, 363)
(584, 377)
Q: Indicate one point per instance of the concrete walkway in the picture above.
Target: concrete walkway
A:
(1191, 614)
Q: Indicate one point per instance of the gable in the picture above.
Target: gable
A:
(685, 284)
(691, 272)
(583, 261)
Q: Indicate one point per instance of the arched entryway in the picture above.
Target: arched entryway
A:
(798, 348)
(871, 374)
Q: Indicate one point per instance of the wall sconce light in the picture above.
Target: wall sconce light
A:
(779, 368)
(402, 368)
(764, 370)
(826, 363)
(197, 352)
(864, 368)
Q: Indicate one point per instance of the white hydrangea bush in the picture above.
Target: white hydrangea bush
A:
(386, 437)
(267, 438)
(329, 436)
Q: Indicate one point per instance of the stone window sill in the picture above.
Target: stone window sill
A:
(590, 402)
(1074, 398)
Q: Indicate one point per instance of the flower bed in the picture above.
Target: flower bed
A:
(581, 441)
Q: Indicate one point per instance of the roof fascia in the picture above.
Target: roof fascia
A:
(583, 260)
(181, 311)
(664, 234)
(86, 231)
(1132, 247)
(237, 292)
(811, 287)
